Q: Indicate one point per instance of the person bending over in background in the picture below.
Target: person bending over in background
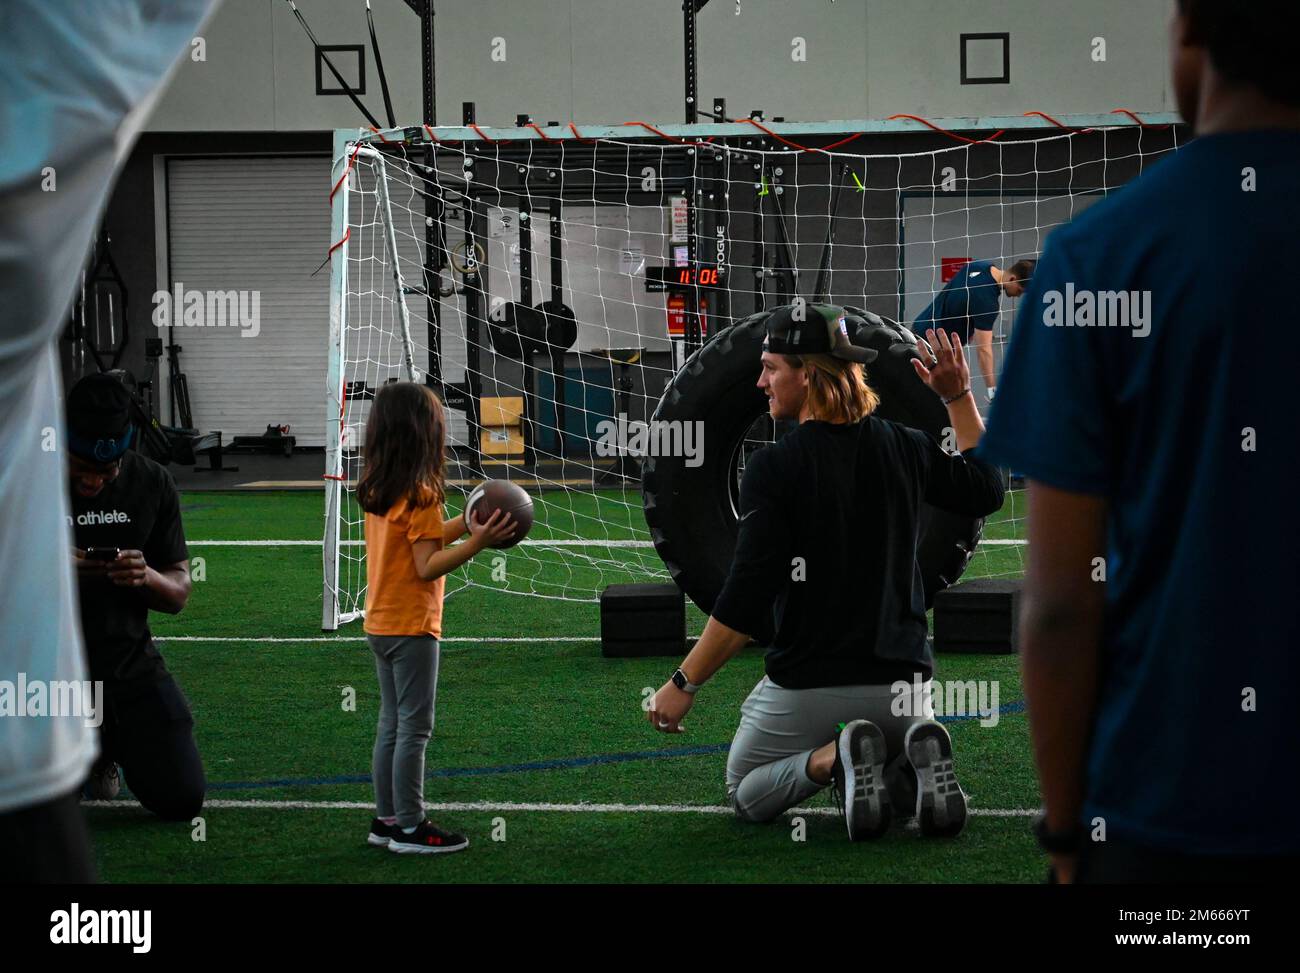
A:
(968, 305)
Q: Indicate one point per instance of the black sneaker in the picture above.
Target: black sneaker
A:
(380, 833)
(859, 778)
(426, 839)
(940, 801)
(104, 782)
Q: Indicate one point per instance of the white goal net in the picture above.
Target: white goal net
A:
(637, 248)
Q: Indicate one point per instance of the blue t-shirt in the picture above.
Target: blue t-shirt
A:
(968, 302)
(1181, 418)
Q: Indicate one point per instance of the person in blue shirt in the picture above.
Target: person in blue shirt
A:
(1159, 638)
(969, 305)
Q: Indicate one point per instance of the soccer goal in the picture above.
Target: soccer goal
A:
(586, 301)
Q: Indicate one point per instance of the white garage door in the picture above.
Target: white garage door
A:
(258, 226)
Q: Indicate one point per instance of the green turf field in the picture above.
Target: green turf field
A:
(520, 724)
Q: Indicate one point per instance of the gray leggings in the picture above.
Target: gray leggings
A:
(407, 666)
(767, 768)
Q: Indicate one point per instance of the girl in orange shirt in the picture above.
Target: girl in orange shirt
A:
(401, 491)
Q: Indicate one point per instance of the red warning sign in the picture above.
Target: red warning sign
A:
(950, 266)
(677, 315)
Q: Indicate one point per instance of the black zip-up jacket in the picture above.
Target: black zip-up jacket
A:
(827, 551)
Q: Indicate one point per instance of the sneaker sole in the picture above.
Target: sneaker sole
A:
(102, 786)
(378, 841)
(866, 799)
(403, 848)
(940, 801)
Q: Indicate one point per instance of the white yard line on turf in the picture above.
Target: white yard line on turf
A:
(535, 543)
(1014, 812)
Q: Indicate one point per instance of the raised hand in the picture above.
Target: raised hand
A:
(946, 371)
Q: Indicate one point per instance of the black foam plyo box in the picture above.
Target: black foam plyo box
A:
(978, 616)
(642, 620)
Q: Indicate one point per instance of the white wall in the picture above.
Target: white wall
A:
(619, 60)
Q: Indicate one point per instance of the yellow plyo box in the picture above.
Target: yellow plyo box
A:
(501, 423)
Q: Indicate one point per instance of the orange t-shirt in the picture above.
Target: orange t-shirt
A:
(397, 601)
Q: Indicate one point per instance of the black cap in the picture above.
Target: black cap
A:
(99, 419)
(813, 329)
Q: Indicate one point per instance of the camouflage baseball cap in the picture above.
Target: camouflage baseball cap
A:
(813, 329)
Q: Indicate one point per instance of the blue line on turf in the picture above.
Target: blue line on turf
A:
(564, 763)
(1010, 709)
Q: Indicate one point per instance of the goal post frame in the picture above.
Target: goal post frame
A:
(334, 390)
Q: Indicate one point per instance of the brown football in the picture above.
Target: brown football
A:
(493, 495)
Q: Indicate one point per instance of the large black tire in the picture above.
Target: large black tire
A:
(691, 511)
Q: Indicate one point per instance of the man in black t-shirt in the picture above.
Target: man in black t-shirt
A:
(131, 559)
(826, 559)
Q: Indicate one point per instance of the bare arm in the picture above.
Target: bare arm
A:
(1060, 644)
(454, 529)
(966, 422)
(717, 645)
(168, 589)
(432, 560)
(948, 376)
(984, 353)
(165, 589)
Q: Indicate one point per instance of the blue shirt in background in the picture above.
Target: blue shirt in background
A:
(1181, 417)
(968, 302)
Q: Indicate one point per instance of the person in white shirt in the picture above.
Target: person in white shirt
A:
(76, 82)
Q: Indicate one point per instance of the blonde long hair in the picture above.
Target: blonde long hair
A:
(837, 389)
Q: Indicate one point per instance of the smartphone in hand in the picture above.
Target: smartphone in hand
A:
(102, 553)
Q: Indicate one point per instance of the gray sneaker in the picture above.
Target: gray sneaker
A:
(940, 801)
(859, 779)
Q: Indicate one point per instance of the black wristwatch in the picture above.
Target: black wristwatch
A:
(1057, 842)
(685, 685)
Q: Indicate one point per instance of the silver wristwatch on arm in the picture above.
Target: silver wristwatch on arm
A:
(685, 685)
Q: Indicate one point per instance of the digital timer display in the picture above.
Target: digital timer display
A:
(681, 278)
